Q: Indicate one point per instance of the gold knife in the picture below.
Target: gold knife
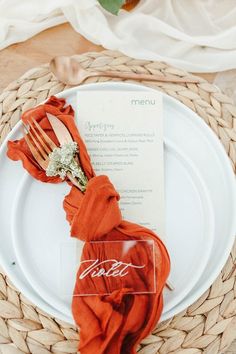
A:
(60, 130)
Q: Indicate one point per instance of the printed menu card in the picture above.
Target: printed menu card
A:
(123, 132)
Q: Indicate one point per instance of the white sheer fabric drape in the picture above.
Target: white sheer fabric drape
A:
(196, 35)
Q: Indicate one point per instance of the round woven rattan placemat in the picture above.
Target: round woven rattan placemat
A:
(209, 325)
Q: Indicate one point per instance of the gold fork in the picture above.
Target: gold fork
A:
(41, 146)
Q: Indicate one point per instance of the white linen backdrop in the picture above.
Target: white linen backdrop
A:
(196, 35)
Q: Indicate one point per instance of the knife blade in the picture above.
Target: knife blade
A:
(60, 130)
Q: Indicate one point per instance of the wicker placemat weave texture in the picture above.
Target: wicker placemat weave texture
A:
(209, 325)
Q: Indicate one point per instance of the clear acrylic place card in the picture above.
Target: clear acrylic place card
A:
(108, 266)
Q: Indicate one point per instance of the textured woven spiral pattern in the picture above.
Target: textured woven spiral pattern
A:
(209, 325)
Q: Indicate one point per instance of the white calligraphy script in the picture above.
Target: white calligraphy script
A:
(116, 268)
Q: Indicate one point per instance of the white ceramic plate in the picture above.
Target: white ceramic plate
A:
(38, 207)
(203, 163)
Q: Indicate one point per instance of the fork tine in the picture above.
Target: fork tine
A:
(50, 143)
(38, 146)
(42, 163)
(43, 146)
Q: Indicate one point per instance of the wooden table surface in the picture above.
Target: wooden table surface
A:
(60, 40)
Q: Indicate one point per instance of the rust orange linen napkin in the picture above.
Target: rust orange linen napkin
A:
(115, 323)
